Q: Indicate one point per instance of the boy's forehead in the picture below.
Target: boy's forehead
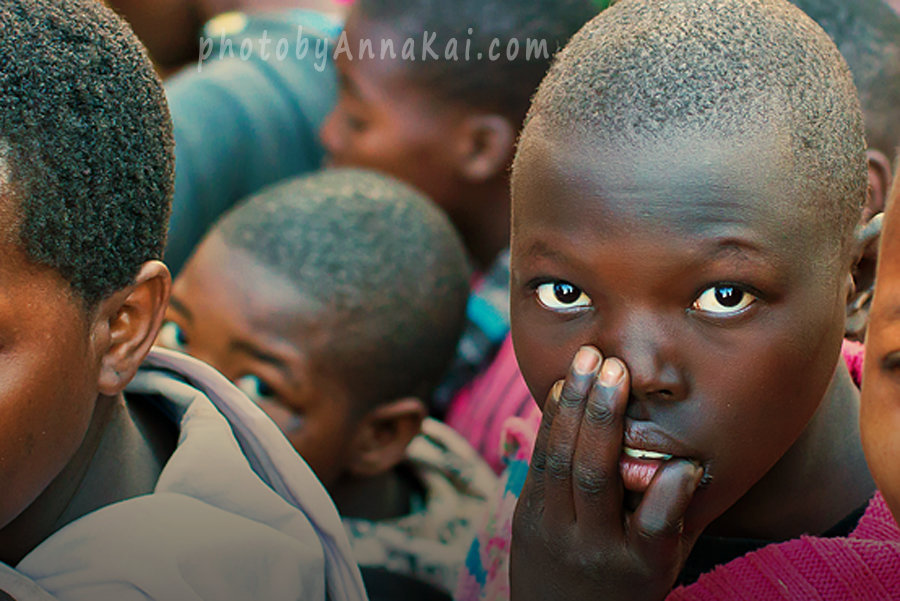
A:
(686, 181)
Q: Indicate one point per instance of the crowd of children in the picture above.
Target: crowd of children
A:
(485, 300)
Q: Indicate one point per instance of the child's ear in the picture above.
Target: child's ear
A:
(385, 432)
(879, 183)
(486, 146)
(862, 288)
(126, 324)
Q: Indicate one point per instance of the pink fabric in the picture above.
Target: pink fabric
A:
(480, 410)
(864, 566)
(854, 353)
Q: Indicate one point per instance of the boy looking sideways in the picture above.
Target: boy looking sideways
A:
(120, 480)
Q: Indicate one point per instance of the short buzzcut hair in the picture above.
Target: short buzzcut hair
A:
(867, 32)
(85, 142)
(645, 70)
(504, 86)
(384, 264)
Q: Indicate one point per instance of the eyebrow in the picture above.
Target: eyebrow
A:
(261, 355)
(179, 306)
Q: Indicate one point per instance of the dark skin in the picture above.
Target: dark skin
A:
(456, 154)
(682, 264)
(880, 412)
(262, 333)
(65, 421)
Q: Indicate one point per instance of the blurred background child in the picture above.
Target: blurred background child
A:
(335, 302)
(449, 128)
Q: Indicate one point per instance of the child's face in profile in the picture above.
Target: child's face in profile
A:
(248, 323)
(384, 122)
(692, 262)
(880, 408)
(48, 369)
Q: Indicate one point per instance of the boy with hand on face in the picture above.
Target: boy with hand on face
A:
(687, 199)
(335, 302)
(122, 478)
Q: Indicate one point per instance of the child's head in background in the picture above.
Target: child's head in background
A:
(447, 126)
(86, 175)
(685, 198)
(880, 407)
(335, 302)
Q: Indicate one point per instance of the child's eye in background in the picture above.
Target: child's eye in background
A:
(287, 419)
(171, 336)
(562, 297)
(257, 390)
(723, 300)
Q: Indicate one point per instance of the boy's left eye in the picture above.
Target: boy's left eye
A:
(257, 390)
(171, 336)
(723, 300)
(562, 297)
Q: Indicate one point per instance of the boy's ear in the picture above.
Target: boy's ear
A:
(880, 175)
(385, 432)
(862, 289)
(126, 324)
(486, 146)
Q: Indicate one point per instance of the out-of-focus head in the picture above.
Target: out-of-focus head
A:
(328, 300)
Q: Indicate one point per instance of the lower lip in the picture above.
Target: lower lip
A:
(638, 473)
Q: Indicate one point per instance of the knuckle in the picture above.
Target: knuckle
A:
(559, 465)
(590, 479)
(570, 396)
(599, 414)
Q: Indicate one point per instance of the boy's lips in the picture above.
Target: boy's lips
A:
(644, 452)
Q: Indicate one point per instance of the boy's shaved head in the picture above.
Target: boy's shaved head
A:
(383, 266)
(85, 142)
(502, 85)
(867, 32)
(643, 71)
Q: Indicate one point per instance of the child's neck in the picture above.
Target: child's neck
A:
(377, 498)
(121, 457)
(818, 482)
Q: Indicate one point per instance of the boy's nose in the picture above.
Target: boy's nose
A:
(649, 350)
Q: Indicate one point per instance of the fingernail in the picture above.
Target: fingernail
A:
(586, 360)
(611, 373)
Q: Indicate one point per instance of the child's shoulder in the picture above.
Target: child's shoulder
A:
(234, 514)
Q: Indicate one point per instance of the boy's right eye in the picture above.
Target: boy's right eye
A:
(562, 297)
(171, 336)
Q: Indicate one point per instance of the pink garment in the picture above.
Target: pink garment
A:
(480, 410)
(864, 566)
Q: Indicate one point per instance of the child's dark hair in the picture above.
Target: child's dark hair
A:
(384, 264)
(867, 32)
(746, 66)
(85, 143)
(503, 86)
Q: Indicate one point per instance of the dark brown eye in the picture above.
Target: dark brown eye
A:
(723, 300)
(562, 296)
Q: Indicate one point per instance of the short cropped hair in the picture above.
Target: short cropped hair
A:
(85, 142)
(645, 70)
(384, 264)
(503, 86)
(867, 32)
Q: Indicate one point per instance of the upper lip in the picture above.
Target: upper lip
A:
(646, 436)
